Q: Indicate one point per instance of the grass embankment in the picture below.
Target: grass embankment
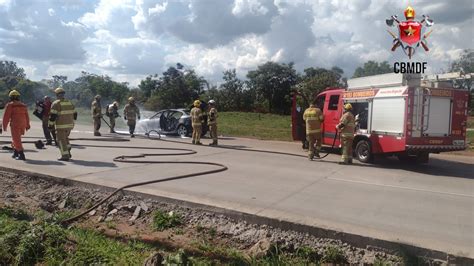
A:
(38, 239)
(255, 125)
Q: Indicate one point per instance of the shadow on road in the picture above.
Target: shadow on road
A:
(436, 167)
(42, 162)
(93, 163)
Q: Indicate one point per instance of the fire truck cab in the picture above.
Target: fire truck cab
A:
(396, 114)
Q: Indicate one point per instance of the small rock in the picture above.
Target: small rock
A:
(63, 204)
(10, 195)
(136, 214)
(154, 259)
(93, 212)
(260, 249)
(143, 206)
(100, 219)
(109, 218)
(112, 212)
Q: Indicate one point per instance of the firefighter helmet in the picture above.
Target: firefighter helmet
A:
(14, 93)
(131, 99)
(409, 13)
(348, 106)
(59, 90)
(197, 103)
(97, 97)
(212, 102)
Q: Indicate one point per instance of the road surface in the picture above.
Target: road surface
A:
(430, 206)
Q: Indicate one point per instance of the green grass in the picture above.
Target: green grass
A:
(255, 125)
(470, 122)
(164, 220)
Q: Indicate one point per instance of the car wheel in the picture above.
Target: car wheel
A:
(182, 131)
(363, 151)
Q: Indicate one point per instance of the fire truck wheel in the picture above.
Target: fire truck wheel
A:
(363, 151)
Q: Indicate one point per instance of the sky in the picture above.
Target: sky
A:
(130, 39)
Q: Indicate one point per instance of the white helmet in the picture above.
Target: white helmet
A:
(212, 102)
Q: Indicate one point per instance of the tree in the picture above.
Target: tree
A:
(178, 87)
(10, 69)
(272, 83)
(232, 90)
(371, 68)
(316, 80)
(465, 64)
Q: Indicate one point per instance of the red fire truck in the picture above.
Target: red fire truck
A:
(396, 114)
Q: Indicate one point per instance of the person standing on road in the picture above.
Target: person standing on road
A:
(346, 127)
(196, 122)
(112, 113)
(49, 135)
(16, 114)
(313, 117)
(130, 113)
(212, 122)
(62, 118)
(96, 110)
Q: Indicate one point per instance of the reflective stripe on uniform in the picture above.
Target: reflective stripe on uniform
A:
(196, 124)
(54, 111)
(313, 131)
(65, 103)
(310, 118)
(66, 112)
(321, 118)
(345, 135)
(211, 123)
(51, 123)
(64, 126)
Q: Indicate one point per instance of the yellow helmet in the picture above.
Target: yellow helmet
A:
(131, 99)
(197, 103)
(347, 106)
(97, 97)
(59, 90)
(13, 93)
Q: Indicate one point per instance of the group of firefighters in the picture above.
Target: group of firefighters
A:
(58, 121)
(314, 117)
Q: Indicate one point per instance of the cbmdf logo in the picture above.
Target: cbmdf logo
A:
(411, 33)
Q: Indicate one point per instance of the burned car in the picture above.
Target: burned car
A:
(170, 121)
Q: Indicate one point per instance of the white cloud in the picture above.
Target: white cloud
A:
(128, 39)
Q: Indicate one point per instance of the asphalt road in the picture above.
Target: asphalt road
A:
(431, 205)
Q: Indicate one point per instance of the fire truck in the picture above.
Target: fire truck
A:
(396, 114)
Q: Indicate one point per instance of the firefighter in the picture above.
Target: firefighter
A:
(346, 127)
(313, 117)
(16, 114)
(196, 121)
(96, 110)
(49, 135)
(130, 113)
(112, 112)
(61, 119)
(212, 122)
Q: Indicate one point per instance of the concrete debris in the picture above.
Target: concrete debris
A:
(93, 212)
(112, 212)
(63, 204)
(260, 249)
(136, 214)
(100, 219)
(143, 206)
(154, 259)
(109, 218)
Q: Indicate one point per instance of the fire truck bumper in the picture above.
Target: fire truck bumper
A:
(435, 148)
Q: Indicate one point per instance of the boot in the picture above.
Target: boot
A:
(64, 158)
(310, 156)
(21, 156)
(214, 143)
(97, 134)
(193, 142)
(350, 161)
(15, 154)
(70, 156)
(317, 155)
(132, 135)
(49, 142)
(198, 143)
(343, 163)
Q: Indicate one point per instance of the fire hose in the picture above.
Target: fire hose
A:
(133, 159)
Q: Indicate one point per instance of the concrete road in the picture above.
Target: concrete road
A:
(431, 206)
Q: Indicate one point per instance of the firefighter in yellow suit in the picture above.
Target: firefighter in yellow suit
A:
(346, 127)
(96, 110)
(212, 122)
(313, 117)
(131, 113)
(196, 122)
(62, 118)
